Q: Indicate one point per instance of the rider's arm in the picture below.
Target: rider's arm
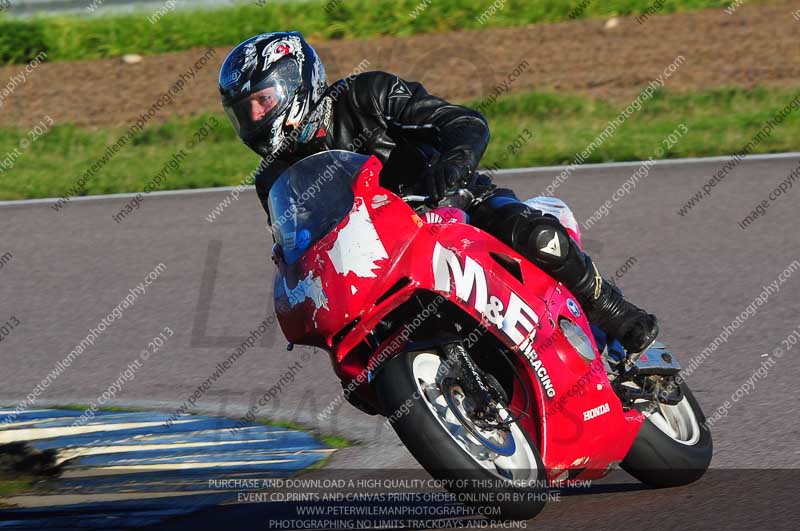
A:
(463, 133)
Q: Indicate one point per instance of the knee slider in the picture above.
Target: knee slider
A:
(548, 241)
(542, 239)
(537, 236)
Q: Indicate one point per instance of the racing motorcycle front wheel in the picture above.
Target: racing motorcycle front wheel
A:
(494, 468)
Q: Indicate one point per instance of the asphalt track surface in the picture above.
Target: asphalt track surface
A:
(697, 272)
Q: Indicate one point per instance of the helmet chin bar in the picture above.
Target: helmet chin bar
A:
(260, 148)
(263, 144)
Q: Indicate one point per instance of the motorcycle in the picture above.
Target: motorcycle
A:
(485, 366)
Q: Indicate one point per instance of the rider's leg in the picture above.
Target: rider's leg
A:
(545, 242)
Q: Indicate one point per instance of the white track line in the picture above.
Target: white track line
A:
(49, 501)
(510, 171)
(31, 434)
(83, 451)
(79, 198)
(187, 465)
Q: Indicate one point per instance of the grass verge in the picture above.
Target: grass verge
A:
(14, 487)
(69, 38)
(558, 126)
(718, 122)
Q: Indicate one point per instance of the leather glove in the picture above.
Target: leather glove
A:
(445, 174)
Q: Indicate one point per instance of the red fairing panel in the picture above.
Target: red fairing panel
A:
(579, 422)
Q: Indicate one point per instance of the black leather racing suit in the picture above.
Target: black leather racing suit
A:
(365, 112)
(371, 113)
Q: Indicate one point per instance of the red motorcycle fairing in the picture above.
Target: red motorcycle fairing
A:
(382, 253)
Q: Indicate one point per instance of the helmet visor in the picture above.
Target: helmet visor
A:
(267, 101)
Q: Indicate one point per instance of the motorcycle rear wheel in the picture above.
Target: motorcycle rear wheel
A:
(433, 426)
(674, 445)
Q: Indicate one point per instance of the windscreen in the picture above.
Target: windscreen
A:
(309, 199)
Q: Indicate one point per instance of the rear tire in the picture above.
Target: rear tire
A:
(660, 459)
(436, 449)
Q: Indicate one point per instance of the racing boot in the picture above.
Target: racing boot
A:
(605, 306)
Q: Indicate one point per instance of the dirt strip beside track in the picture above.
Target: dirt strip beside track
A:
(756, 45)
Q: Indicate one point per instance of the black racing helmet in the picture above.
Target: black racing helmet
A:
(269, 85)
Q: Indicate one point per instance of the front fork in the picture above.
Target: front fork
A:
(483, 391)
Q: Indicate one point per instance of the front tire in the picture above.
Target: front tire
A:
(429, 422)
(674, 445)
